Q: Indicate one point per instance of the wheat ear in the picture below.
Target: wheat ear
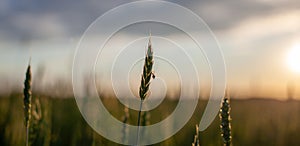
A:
(27, 101)
(225, 121)
(147, 72)
(145, 81)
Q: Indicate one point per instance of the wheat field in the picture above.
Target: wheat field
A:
(254, 122)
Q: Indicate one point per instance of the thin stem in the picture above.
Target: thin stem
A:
(27, 135)
(139, 120)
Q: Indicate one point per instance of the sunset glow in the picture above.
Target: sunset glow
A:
(293, 58)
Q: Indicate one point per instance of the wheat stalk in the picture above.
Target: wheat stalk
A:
(27, 101)
(145, 120)
(225, 121)
(35, 125)
(37, 110)
(196, 137)
(145, 81)
(125, 122)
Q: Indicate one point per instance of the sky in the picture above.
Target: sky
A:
(256, 37)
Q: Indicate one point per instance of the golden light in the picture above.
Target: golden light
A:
(293, 58)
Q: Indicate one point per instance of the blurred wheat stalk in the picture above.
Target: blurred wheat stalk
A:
(145, 81)
(225, 121)
(27, 101)
(196, 137)
(36, 123)
(125, 122)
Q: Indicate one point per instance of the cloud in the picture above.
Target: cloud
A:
(262, 28)
(226, 14)
(34, 19)
(37, 26)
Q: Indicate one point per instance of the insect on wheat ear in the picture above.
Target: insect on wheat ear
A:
(153, 75)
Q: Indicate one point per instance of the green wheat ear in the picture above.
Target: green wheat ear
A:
(147, 72)
(27, 101)
(225, 121)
